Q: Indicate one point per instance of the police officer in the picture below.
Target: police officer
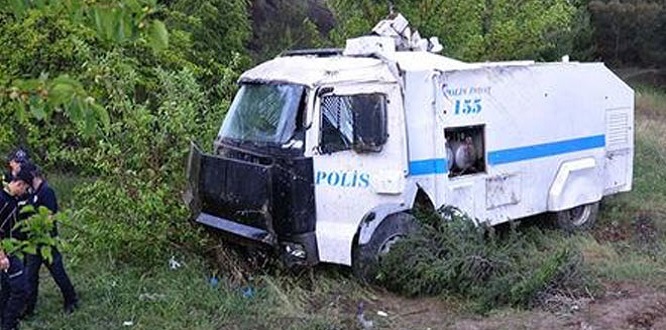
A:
(15, 159)
(45, 196)
(12, 277)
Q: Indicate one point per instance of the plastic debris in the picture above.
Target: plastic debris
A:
(360, 317)
(173, 264)
(128, 323)
(248, 292)
(382, 313)
(214, 281)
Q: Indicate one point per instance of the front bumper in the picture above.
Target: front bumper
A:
(237, 230)
(269, 201)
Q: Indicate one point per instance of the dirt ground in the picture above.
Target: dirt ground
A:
(624, 306)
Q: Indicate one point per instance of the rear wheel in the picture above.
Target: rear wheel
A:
(578, 218)
(366, 258)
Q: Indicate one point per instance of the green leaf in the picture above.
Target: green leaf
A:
(61, 94)
(47, 253)
(133, 5)
(119, 18)
(158, 36)
(66, 79)
(125, 26)
(101, 114)
(74, 110)
(19, 111)
(62, 91)
(38, 110)
(30, 249)
(89, 123)
(108, 23)
(97, 18)
(28, 208)
(74, 7)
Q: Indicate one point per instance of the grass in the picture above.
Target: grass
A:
(182, 298)
(185, 298)
(113, 297)
(626, 245)
(631, 240)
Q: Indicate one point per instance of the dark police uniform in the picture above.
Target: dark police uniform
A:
(13, 281)
(45, 196)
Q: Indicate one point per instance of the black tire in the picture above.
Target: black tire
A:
(365, 258)
(579, 218)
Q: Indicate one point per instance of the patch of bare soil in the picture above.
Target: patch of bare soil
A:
(624, 306)
(613, 232)
(390, 311)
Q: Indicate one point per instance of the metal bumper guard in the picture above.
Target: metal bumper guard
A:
(262, 200)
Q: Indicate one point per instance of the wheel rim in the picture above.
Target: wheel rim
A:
(385, 248)
(578, 216)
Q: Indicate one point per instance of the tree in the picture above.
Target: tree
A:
(27, 88)
(630, 32)
(475, 30)
(219, 31)
(101, 88)
(280, 25)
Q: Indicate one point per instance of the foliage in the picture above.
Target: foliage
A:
(38, 230)
(136, 211)
(280, 25)
(111, 22)
(150, 101)
(492, 268)
(218, 31)
(630, 32)
(39, 46)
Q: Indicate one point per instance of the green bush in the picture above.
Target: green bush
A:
(134, 209)
(155, 100)
(490, 267)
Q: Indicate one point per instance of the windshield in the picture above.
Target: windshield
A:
(263, 113)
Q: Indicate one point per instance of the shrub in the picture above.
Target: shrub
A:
(134, 209)
(491, 267)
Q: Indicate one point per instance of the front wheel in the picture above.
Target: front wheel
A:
(366, 258)
(578, 218)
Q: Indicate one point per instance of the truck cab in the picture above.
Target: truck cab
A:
(304, 135)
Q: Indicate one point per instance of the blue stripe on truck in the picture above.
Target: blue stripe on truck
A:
(428, 166)
(544, 150)
(440, 165)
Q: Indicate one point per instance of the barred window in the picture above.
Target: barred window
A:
(340, 114)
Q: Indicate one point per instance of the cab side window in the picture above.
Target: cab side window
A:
(353, 122)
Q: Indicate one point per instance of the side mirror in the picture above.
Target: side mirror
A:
(370, 124)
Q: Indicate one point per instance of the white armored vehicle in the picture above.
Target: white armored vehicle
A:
(325, 153)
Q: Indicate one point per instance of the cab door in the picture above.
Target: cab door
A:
(359, 157)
